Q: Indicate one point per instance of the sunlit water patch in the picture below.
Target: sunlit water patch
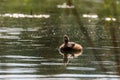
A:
(9, 37)
(19, 57)
(94, 16)
(17, 64)
(18, 15)
(46, 63)
(14, 33)
(18, 70)
(81, 68)
(65, 5)
(60, 76)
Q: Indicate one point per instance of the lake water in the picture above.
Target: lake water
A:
(31, 53)
(29, 47)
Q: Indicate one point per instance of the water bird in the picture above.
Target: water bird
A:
(69, 49)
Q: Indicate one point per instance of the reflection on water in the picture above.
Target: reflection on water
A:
(90, 15)
(18, 15)
(70, 55)
(65, 5)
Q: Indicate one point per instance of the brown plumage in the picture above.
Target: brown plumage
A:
(68, 49)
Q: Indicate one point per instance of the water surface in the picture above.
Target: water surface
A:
(29, 46)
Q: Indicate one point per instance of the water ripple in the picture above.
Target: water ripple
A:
(18, 56)
(61, 76)
(18, 64)
(18, 70)
(81, 68)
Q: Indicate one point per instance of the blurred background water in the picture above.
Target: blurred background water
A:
(32, 30)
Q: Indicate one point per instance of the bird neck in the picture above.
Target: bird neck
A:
(65, 43)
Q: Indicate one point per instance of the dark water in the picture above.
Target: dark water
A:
(29, 46)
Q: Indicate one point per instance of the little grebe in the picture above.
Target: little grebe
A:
(68, 49)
